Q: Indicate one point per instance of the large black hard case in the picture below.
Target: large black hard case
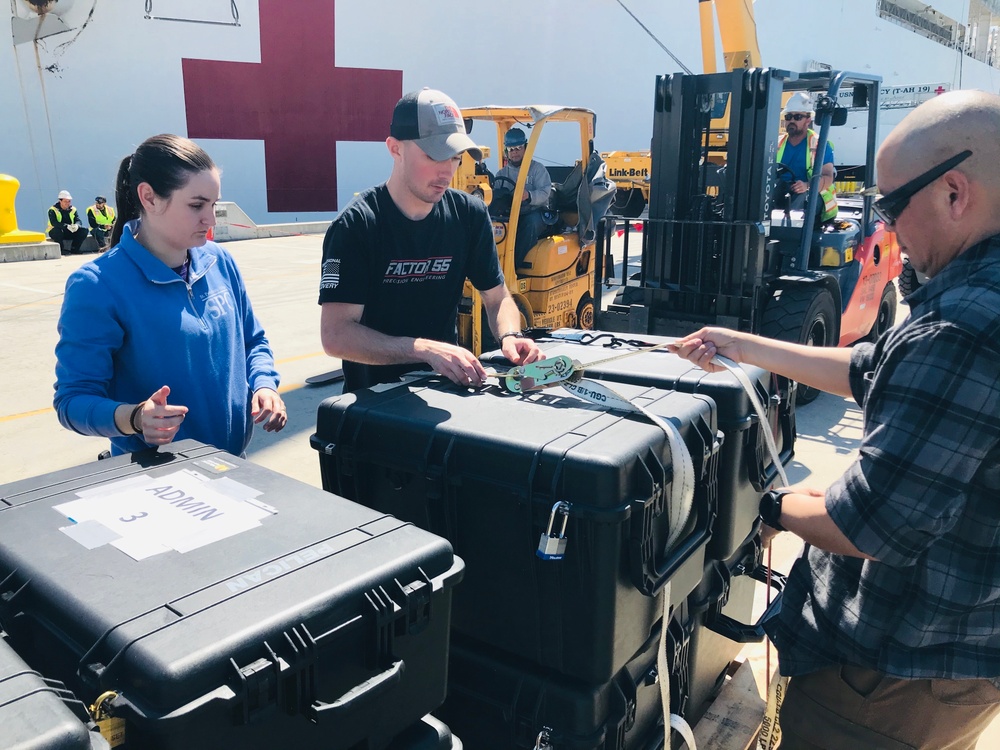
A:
(501, 703)
(745, 466)
(484, 469)
(40, 714)
(325, 627)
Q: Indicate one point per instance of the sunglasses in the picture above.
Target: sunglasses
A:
(889, 207)
(797, 117)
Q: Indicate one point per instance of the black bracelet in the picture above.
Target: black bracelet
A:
(135, 413)
(515, 334)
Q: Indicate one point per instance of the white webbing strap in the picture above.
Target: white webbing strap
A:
(682, 485)
(681, 496)
(599, 393)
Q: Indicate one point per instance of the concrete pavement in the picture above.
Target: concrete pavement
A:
(282, 276)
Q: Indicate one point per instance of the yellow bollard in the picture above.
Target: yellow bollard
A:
(9, 233)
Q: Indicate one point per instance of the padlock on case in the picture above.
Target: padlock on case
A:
(554, 547)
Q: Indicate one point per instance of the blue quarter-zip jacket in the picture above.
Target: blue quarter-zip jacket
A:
(129, 325)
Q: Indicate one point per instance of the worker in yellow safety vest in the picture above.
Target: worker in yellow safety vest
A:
(64, 224)
(797, 151)
(102, 220)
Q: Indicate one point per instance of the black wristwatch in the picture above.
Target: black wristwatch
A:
(515, 334)
(770, 508)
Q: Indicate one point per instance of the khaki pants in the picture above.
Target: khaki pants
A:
(851, 708)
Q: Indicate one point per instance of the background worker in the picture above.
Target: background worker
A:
(395, 260)
(158, 340)
(537, 187)
(101, 217)
(890, 621)
(797, 151)
(64, 224)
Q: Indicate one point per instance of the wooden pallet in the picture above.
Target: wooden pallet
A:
(732, 720)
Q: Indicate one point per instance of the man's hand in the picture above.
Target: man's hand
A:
(457, 364)
(267, 407)
(72, 227)
(521, 351)
(799, 186)
(701, 346)
(158, 419)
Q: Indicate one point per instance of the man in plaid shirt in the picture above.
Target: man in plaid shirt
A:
(890, 624)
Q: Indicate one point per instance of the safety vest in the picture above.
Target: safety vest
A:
(59, 213)
(104, 220)
(828, 195)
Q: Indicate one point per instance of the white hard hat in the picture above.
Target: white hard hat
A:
(800, 101)
(65, 194)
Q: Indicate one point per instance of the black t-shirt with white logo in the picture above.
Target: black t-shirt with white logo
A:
(407, 274)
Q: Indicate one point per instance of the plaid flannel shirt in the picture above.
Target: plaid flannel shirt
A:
(922, 497)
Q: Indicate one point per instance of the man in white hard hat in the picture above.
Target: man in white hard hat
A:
(64, 224)
(396, 259)
(797, 151)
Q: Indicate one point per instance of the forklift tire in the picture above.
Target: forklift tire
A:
(909, 282)
(585, 313)
(886, 317)
(803, 315)
(628, 202)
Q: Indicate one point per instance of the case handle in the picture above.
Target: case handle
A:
(650, 575)
(742, 632)
(367, 690)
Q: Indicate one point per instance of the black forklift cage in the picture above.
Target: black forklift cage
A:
(733, 293)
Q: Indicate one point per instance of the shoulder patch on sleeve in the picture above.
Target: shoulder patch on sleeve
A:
(331, 274)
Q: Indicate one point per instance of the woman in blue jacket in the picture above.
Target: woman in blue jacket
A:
(157, 337)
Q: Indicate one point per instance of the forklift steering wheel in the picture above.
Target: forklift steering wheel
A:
(782, 187)
(499, 178)
(780, 170)
(503, 196)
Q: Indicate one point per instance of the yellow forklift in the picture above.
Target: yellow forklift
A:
(554, 285)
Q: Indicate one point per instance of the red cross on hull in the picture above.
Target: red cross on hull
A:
(296, 100)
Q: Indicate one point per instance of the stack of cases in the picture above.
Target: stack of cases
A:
(725, 598)
(40, 714)
(484, 469)
(325, 626)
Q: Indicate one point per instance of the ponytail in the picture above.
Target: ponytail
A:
(126, 200)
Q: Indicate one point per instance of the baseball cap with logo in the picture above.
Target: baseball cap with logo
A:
(65, 194)
(434, 122)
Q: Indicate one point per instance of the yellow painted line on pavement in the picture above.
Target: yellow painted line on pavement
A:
(281, 389)
(11, 417)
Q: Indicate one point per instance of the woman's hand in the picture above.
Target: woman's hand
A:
(158, 421)
(268, 408)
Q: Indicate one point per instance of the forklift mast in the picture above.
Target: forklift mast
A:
(704, 250)
(710, 254)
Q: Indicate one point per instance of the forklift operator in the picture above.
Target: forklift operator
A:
(798, 142)
(537, 187)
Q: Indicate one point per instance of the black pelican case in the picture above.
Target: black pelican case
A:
(326, 626)
(484, 469)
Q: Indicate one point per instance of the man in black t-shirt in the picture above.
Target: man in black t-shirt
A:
(396, 258)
